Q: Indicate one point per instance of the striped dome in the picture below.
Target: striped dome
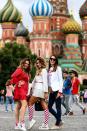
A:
(41, 8)
(10, 13)
(71, 26)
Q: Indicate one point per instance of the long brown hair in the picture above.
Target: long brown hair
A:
(22, 62)
(55, 65)
(43, 65)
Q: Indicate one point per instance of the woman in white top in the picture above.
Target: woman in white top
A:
(55, 83)
(39, 92)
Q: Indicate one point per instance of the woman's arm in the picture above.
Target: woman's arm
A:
(60, 78)
(15, 75)
(45, 80)
(33, 82)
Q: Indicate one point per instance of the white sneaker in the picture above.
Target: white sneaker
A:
(31, 123)
(22, 127)
(54, 127)
(17, 126)
(6, 110)
(43, 127)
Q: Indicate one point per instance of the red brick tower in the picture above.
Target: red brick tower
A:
(59, 17)
(40, 38)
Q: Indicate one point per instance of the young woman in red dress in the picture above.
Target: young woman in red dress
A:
(21, 78)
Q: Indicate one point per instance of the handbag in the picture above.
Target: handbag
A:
(38, 106)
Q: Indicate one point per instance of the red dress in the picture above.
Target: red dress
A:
(20, 92)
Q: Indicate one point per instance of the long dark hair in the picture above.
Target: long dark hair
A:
(22, 62)
(55, 65)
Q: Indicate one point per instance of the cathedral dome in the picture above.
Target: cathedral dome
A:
(9, 13)
(41, 8)
(71, 26)
(83, 10)
(21, 30)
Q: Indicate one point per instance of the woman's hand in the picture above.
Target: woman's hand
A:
(59, 94)
(21, 82)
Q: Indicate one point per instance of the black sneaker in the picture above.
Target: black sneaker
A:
(84, 110)
(70, 113)
(60, 123)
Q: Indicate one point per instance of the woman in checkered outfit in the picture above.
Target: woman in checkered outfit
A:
(39, 92)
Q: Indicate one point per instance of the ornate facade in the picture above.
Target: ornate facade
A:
(59, 7)
(47, 29)
(59, 17)
(40, 39)
(54, 31)
(83, 16)
(72, 52)
(9, 17)
(63, 36)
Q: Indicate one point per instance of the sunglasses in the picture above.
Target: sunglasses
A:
(53, 59)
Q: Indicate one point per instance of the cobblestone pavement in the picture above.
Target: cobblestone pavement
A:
(77, 122)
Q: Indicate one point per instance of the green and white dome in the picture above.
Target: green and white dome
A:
(10, 13)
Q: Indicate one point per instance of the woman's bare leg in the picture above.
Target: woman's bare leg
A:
(32, 100)
(23, 110)
(17, 111)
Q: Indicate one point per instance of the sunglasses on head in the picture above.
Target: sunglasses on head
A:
(53, 59)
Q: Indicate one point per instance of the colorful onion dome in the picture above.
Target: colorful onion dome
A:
(21, 30)
(71, 26)
(41, 8)
(83, 10)
(9, 13)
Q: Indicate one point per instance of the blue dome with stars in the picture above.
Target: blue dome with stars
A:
(41, 8)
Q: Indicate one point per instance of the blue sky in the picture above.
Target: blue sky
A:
(23, 6)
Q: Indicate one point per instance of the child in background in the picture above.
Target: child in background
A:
(9, 96)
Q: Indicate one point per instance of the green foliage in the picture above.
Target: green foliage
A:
(10, 57)
(82, 87)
